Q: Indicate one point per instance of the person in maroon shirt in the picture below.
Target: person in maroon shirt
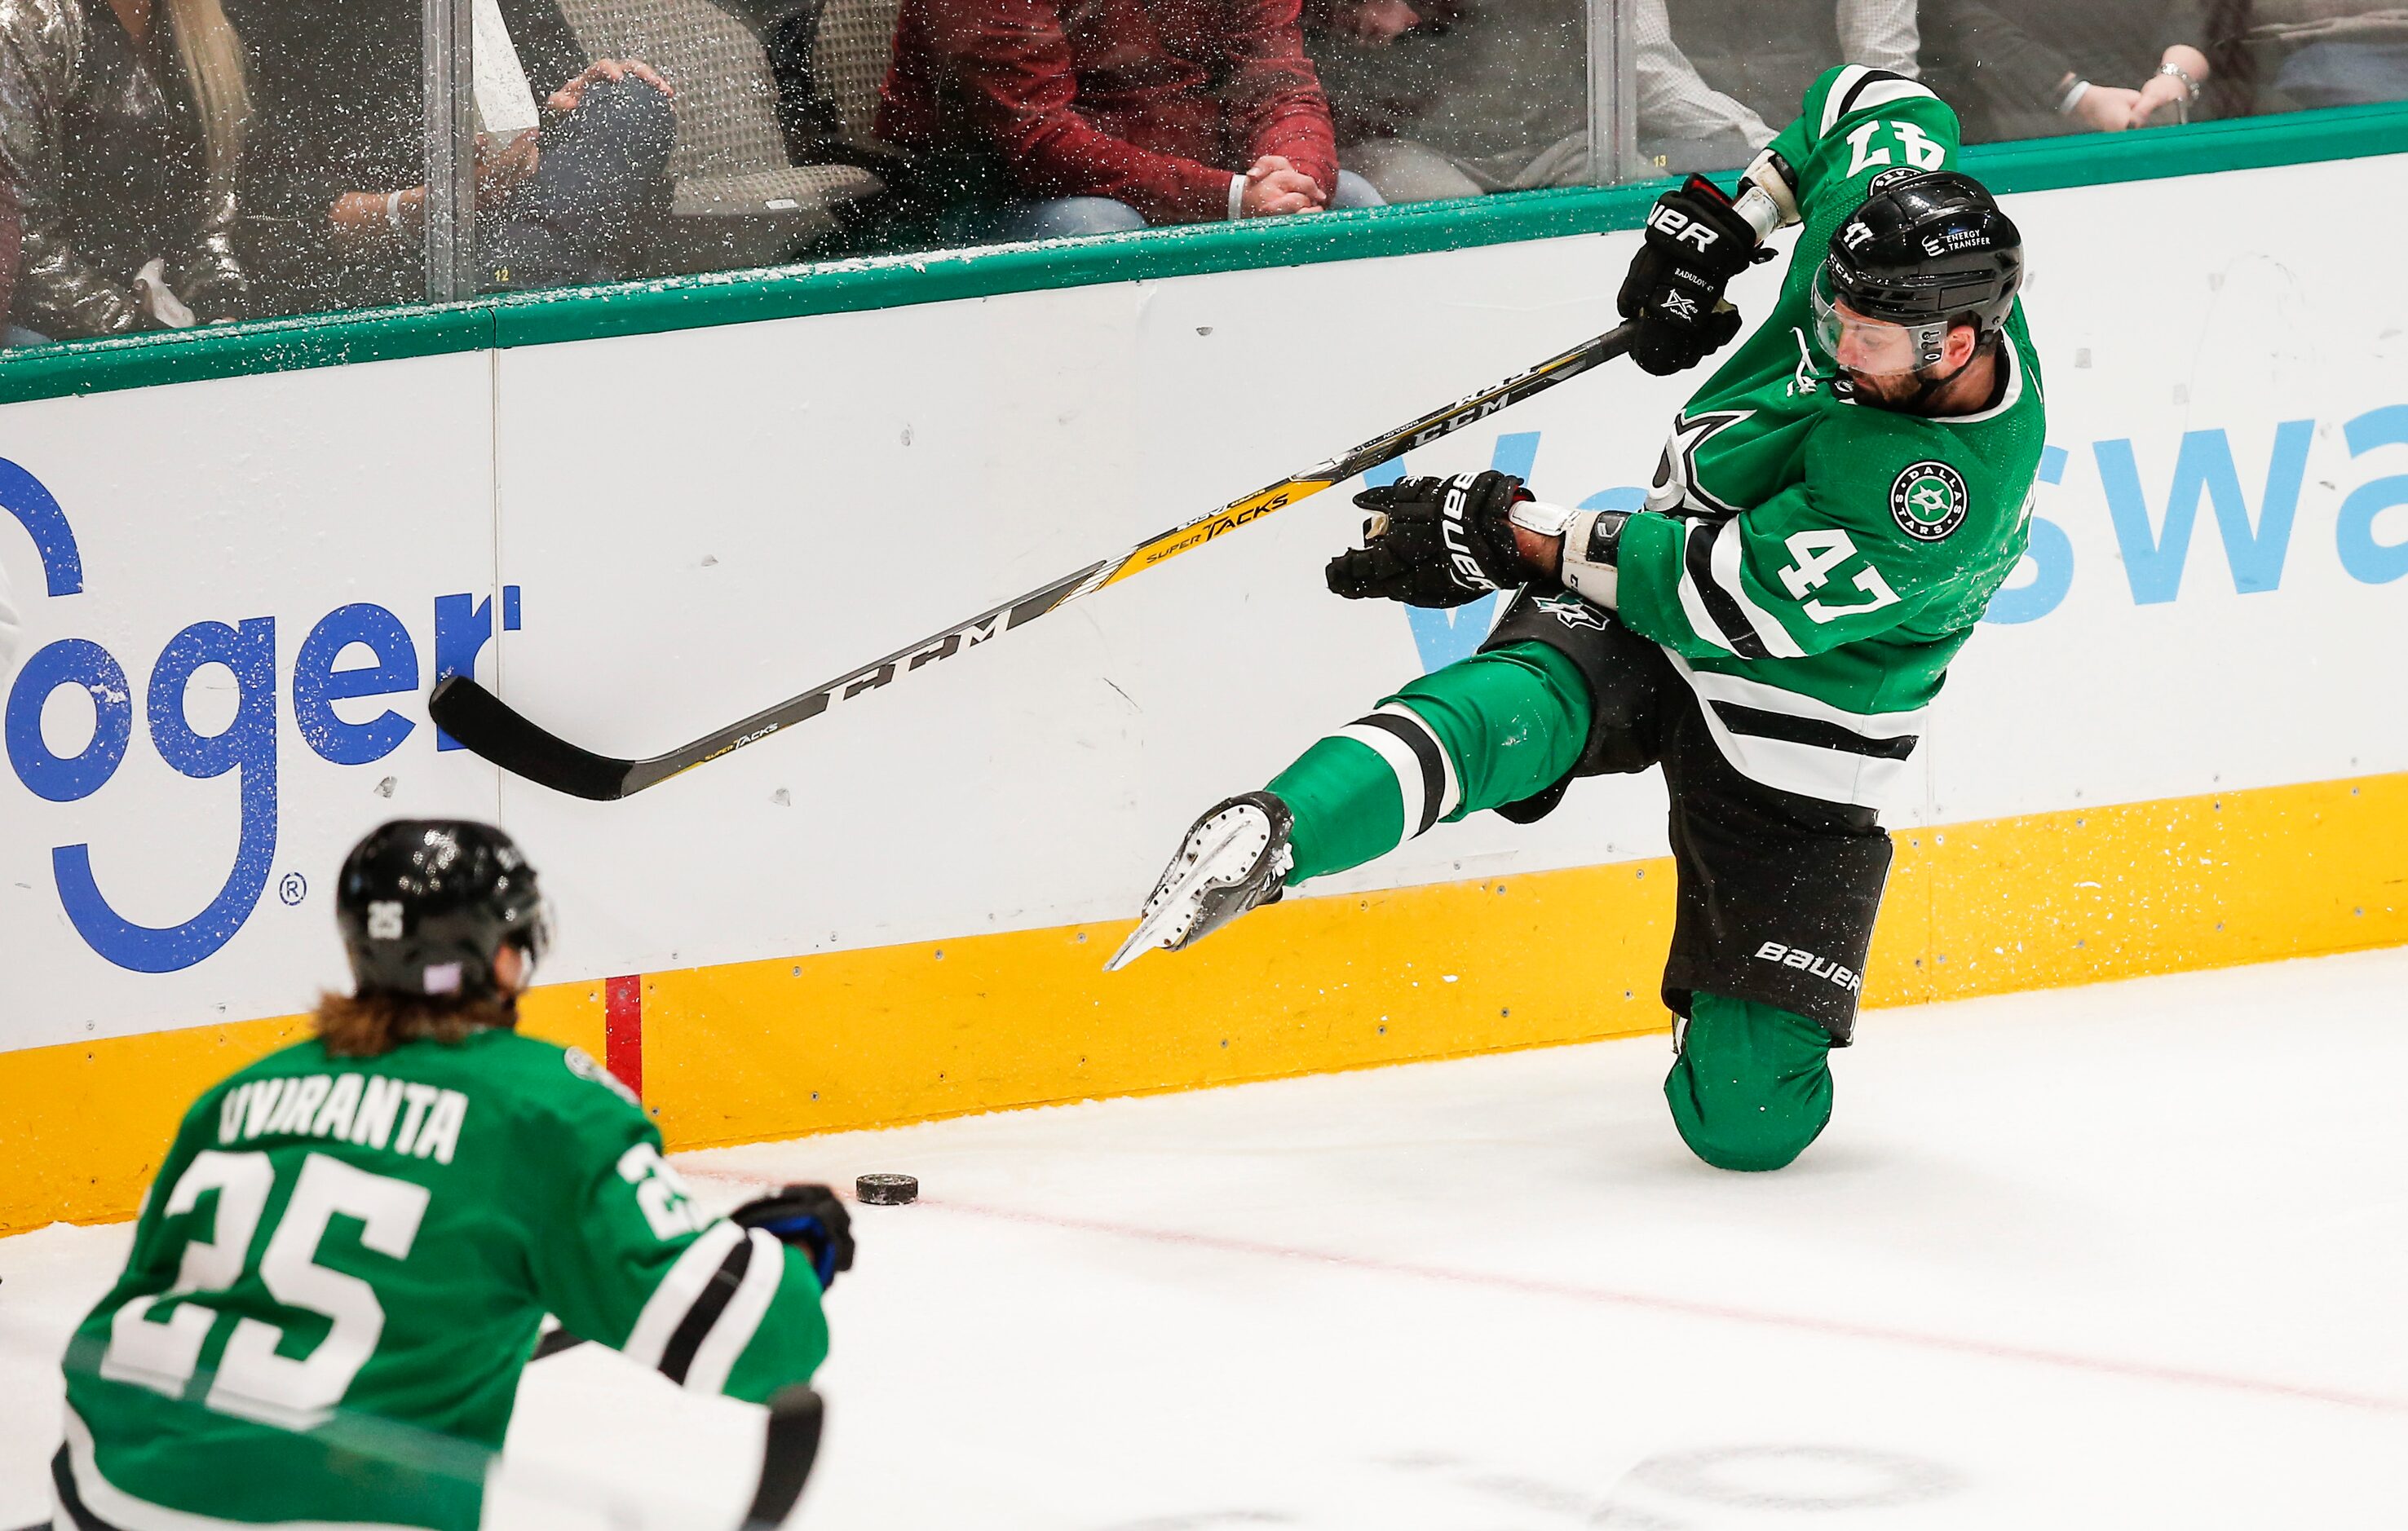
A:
(1103, 115)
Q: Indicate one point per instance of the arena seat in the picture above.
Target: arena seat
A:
(739, 200)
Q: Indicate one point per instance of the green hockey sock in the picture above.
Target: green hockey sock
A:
(1753, 1084)
(1482, 733)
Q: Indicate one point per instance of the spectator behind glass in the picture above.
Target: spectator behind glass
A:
(1046, 120)
(2305, 54)
(121, 129)
(2038, 68)
(1441, 98)
(337, 173)
(1764, 54)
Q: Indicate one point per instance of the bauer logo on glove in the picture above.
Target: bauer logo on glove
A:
(1434, 542)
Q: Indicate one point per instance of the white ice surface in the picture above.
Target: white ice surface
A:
(2131, 1256)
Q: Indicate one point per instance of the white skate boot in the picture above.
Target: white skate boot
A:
(1236, 857)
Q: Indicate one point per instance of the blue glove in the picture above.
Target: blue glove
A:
(810, 1217)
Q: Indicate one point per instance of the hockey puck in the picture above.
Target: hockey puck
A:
(887, 1190)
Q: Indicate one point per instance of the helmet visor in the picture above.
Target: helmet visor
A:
(1873, 347)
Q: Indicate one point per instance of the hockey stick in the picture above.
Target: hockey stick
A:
(796, 1417)
(485, 723)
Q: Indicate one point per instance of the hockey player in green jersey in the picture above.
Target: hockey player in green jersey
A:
(342, 1266)
(1832, 514)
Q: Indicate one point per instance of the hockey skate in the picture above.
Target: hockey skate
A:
(1235, 858)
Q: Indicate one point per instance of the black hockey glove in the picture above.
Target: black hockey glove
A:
(1696, 243)
(1434, 541)
(811, 1218)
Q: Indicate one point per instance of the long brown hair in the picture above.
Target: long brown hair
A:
(372, 1024)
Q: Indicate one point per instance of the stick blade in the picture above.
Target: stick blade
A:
(488, 725)
(792, 1445)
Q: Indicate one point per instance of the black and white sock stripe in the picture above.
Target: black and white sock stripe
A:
(707, 1306)
(1425, 777)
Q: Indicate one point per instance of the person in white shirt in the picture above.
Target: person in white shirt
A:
(1448, 99)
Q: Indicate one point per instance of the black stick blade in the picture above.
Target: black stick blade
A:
(490, 726)
(796, 1417)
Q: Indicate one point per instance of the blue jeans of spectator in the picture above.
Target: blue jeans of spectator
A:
(17, 335)
(2345, 74)
(1069, 217)
(600, 185)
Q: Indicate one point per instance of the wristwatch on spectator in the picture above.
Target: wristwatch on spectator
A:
(2072, 96)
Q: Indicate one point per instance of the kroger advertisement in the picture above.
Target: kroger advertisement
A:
(238, 594)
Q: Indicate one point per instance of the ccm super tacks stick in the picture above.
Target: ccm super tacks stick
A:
(490, 727)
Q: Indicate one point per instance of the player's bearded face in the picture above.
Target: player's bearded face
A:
(1883, 361)
(1872, 352)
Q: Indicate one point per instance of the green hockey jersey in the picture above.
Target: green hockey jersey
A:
(342, 1266)
(1812, 563)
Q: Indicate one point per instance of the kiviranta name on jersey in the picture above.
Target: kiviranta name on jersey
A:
(367, 1111)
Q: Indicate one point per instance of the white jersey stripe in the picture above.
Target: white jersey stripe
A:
(1840, 85)
(121, 1510)
(1755, 693)
(741, 1319)
(681, 1285)
(1729, 544)
(1451, 791)
(1884, 93)
(1693, 606)
(1834, 775)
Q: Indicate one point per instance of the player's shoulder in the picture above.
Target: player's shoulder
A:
(1930, 478)
(545, 1079)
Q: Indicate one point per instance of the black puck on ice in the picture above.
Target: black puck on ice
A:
(887, 1190)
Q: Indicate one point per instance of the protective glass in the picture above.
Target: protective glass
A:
(1875, 347)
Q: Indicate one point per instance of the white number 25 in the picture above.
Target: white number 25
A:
(1818, 553)
(253, 1379)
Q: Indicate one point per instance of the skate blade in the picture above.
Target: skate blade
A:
(1150, 928)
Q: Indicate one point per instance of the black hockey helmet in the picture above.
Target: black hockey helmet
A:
(1925, 251)
(424, 904)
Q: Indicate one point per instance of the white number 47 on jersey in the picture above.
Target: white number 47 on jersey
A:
(1818, 553)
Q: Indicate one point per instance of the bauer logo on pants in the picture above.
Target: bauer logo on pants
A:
(1928, 500)
(1821, 968)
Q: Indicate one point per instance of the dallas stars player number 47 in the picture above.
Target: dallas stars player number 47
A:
(1833, 510)
(342, 1266)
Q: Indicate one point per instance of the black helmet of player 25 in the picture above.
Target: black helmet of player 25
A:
(1926, 250)
(424, 904)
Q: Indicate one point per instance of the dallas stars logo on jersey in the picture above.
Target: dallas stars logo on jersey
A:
(1928, 500)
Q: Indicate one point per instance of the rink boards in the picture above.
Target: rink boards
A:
(2178, 742)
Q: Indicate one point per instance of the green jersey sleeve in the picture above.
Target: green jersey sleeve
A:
(1863, 544)
(632, 1261)
(1857, 123)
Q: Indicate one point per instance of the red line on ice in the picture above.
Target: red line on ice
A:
(1831, 1328)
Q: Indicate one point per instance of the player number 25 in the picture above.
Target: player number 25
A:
(1920, 149)
(1818, 553)
(253, 1379)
